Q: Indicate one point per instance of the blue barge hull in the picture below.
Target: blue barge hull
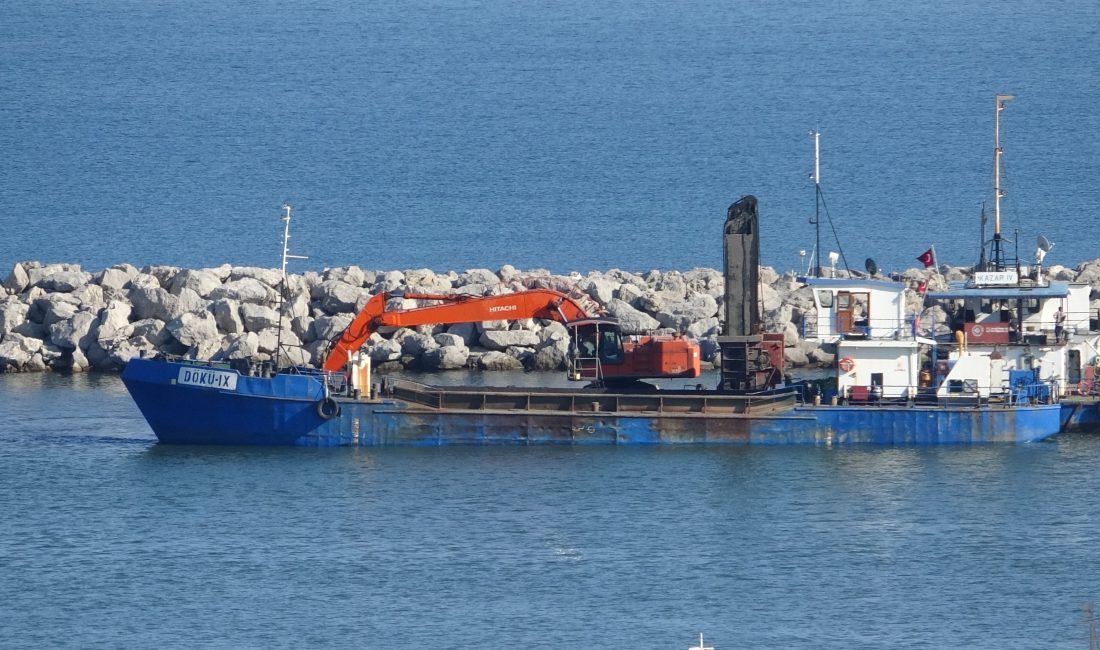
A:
(187, 403)
(1080, 413)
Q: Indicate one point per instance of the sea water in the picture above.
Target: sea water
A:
(109, 539)
(568, 136)
(572, 136)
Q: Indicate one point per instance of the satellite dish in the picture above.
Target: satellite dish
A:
(1045, 244)
(872, 268)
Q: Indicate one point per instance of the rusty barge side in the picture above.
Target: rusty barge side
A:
(189, 403)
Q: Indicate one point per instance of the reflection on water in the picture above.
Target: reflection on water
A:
(763, 547)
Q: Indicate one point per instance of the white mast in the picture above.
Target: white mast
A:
(286, 240)
(286, 284)
(817, 200)
(998, 253)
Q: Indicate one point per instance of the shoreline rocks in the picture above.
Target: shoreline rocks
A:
(59, 317)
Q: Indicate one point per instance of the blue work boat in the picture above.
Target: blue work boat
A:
(199, 403)
(240, 403)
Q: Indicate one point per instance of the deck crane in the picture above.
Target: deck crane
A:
(599, 352)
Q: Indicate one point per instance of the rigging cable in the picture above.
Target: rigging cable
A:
(832, 226)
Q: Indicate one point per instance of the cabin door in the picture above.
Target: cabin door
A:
(853, 312)
(1073, 367)
(845, 314)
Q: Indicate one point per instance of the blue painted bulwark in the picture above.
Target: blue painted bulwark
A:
(203, 404)
(1080, 414)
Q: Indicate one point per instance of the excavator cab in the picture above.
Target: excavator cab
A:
(597, 342)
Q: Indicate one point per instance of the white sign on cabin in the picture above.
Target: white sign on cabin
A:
(987, 278)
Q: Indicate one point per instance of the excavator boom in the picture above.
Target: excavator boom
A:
(599, 354)
(536, 303)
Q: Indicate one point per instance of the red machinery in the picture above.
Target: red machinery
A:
(600, 352)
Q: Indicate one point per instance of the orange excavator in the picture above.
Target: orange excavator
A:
(599, 352)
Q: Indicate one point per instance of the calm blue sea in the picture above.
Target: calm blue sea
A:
(569, 136)
(108, 540)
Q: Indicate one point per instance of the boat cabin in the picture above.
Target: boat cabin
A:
(1005, 321)
(878, 353)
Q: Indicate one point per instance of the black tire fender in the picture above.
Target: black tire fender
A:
(328, 408)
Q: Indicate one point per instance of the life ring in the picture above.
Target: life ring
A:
(328, 408)
(847, 365)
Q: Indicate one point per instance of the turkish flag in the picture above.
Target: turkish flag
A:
(928, 258)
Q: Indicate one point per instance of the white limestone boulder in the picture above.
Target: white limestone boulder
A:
(53, 307)
(162, 273)
(74, 332)
(703, 328)
(239, 346)
(194, 330)
(447, 357)
(151, 332)
(600, 289)
(795, 357)
(416, 344)
(476, 277)
(153, 302)
(116, 278)
(327, 328)
(203, 282)
(631, 320)
(13, 313)
(680, 315)
(16, 351)
(64, 281)
(503, 339)
(270, 278)
(120, 354)
(257, 318)
(227, 316)
(427, 281)
(388, 281)
(337, 297)
(494, 360)
(384, 351)
(352, 275)
(17, 279)
(114, 322)
(245, 289)
(447, 339)
(468, 331)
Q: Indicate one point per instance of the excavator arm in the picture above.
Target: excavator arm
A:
(536, 303)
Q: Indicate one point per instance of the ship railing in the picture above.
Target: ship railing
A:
(858, 328)
(1087, 386)
(962, 393)
(562, 401)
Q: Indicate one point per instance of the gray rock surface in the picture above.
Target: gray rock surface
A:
(493, 360)
(193, 330)
(61, 317)
(500, 340)
(449, 357)
(74, 333)
(17, 279)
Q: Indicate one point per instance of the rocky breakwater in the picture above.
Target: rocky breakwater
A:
(59, 317)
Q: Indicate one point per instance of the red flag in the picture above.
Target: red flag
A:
(922, 287)
(928, 258)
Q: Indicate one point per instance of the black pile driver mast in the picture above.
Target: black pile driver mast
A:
(751, 360)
